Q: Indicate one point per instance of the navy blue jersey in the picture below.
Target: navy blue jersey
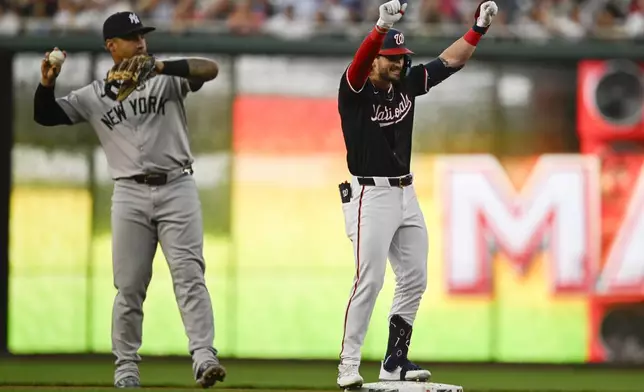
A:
(377, 124)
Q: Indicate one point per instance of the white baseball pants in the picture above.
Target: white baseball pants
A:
(383, 222)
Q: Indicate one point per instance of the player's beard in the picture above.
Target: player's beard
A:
(389, 75)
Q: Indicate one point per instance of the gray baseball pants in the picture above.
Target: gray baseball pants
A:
(142, 216)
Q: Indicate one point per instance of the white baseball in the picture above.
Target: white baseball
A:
(56, 57)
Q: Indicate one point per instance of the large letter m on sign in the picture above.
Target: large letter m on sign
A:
(557, 209)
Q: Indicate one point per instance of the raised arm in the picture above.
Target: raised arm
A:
(457, 54)
(360, 66)
(452, 59)
(47, 111)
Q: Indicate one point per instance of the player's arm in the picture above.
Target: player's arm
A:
(360, 66)
(452, 59)
(47, 111)
(196, 70)
(457, 54)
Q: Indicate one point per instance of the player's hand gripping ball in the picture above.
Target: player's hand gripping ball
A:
(51, 65)
(485, 12)
(391, 12)
(131, 73)
(56, 57)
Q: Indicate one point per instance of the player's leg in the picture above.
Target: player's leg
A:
(408, 257)
(134, 243)
(371, 218)
(180, 228)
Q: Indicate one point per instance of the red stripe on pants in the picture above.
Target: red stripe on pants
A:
(355, 286)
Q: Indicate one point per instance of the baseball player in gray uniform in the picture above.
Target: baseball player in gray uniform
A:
(155, 199)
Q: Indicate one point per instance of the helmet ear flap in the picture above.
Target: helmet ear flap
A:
(406, 65)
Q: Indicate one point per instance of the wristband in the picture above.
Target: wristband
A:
(176, 68)
(474, 35)
(479, 29)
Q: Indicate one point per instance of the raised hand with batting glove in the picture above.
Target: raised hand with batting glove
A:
(391, 12)
(377, 101)
(485, 12)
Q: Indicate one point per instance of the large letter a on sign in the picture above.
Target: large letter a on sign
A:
(558, 206)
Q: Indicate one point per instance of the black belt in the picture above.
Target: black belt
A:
(156, 179)
(393, 181)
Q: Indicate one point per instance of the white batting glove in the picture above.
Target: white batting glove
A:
(486, 12)
(390, 13)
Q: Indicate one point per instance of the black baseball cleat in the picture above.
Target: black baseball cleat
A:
(396, 366)
(209, 373)
(408, 371)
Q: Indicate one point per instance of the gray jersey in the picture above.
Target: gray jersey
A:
(146, 133)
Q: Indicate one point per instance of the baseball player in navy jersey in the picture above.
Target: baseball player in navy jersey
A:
(383, 220)
(155, 199)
